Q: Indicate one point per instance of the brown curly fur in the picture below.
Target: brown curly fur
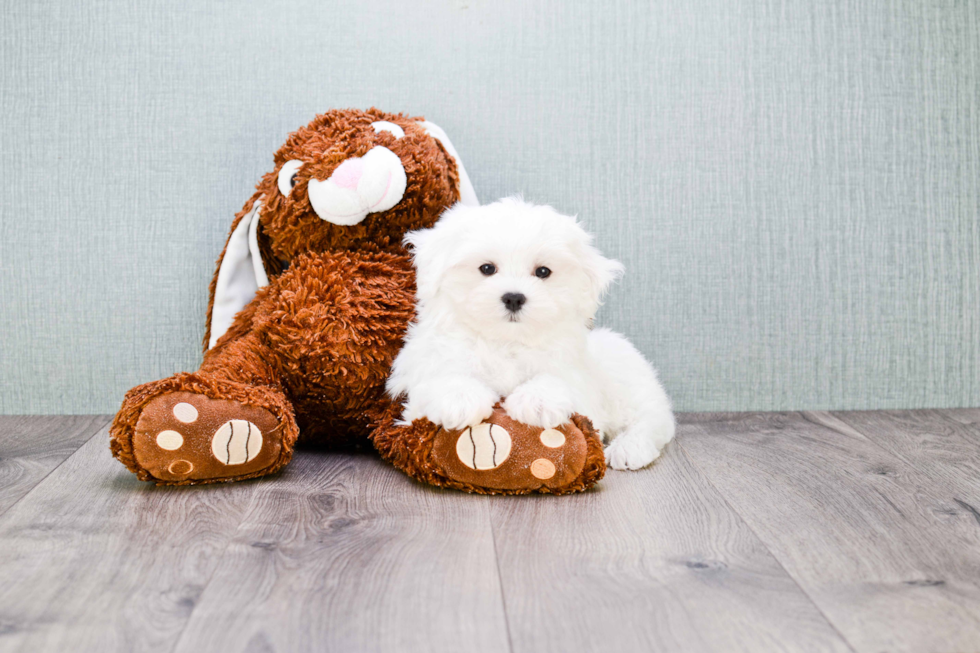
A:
(315, 346)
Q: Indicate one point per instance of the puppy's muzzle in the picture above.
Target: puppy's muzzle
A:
(514, 301)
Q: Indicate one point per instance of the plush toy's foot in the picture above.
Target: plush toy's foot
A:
(499, 456)
(189, 429)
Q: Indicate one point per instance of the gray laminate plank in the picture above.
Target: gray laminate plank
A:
(942, 444)
(31, 446)
(653, 560)
(354, 556)
(890, 560)
(966, 416)
(94, 560)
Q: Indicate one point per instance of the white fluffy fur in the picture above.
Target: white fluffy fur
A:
(466, 350)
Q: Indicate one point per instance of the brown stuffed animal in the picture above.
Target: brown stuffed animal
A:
(309, 303)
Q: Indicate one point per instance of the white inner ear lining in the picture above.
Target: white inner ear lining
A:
(240, 274)
(261, 278)
(467, 195)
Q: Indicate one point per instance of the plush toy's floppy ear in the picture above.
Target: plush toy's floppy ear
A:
(240, 274)
(467, 195)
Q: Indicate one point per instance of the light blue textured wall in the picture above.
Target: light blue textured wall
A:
(794, 186)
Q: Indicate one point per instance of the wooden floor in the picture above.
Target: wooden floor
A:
(754, 532)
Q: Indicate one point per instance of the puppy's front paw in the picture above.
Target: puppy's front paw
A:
(540, 402)
(454, 405)
(628, 452)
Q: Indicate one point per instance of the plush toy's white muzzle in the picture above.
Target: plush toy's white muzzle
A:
(369, 184)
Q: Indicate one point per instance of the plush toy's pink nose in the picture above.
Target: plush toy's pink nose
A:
(348, 173)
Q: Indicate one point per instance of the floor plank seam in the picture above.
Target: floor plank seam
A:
(761, 541)
(913, 465)
(500, 576)
(871, 441)
(40, 481)
(217, 565)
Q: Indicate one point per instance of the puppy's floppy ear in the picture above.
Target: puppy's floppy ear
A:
(433, 253)
(599, 271)
(239, 275)
(430, 263)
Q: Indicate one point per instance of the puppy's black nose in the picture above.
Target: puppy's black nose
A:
(513, 301)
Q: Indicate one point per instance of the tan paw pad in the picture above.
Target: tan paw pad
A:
(185, 412)
(181, 467)
(552, 438)
(236, 442)
(170, 440)
(484, 446)
(543, 468)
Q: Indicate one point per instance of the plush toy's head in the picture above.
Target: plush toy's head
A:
(349, 179)
(358, 176)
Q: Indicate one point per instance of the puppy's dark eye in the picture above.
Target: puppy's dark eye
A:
(488, 269)
(292, 180)
(542, 272)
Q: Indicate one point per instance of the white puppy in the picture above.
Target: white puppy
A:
(506, 297)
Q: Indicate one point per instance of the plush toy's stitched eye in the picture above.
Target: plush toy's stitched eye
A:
(385, 126)
(542, 272)
(288, 175)
(488, 269)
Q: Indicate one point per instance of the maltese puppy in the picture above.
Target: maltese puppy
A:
(506, 296)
